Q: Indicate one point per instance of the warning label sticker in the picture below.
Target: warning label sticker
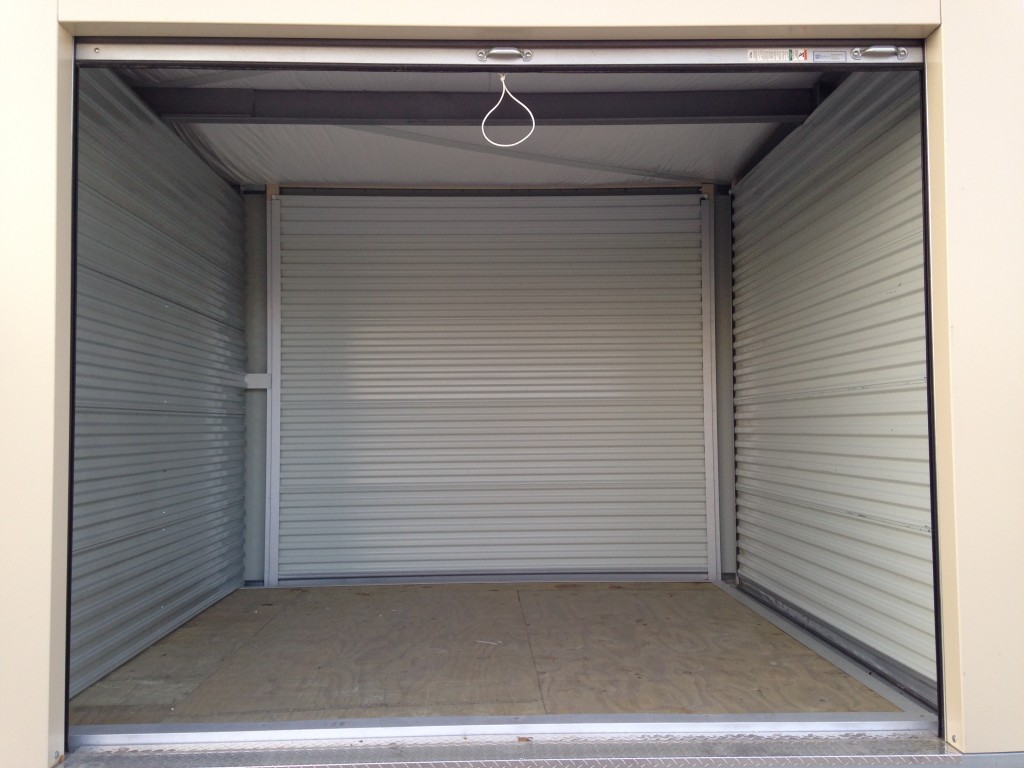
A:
(830, 56)
(762, 55)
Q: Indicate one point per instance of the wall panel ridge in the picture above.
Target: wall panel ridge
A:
(160, 362)
(479, 385)
(833, 483)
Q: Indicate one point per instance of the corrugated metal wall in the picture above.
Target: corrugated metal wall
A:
(830, 377)
(491, 385)
(160, 356)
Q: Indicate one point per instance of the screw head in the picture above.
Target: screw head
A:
(482, 55)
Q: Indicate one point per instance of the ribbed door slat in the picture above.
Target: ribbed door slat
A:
(159, 435)
(480, 385)
(831, 415)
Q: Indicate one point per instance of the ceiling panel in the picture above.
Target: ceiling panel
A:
(457, 156)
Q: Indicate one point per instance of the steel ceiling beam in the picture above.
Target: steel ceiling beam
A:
(242, 105)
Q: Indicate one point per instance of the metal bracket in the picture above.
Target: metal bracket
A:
(504, 53)
(257, 381)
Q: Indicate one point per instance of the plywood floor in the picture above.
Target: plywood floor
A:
(494, 649)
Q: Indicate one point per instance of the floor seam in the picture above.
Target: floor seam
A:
(533, 656)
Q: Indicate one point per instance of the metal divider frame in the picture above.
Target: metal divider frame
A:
(707, 235)
(270, 578)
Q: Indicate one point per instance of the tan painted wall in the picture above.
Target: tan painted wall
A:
(35, 290)
(975, 104)
(522, 19)
(976, 110)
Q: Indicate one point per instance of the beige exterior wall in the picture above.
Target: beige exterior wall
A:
(521, 20)
(35, 303)
(976, 107)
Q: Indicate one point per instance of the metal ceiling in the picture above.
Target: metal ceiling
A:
(457, 156)
(382, 129)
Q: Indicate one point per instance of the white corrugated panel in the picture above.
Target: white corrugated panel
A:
(832, 451)
(157, 509)
(480, 385)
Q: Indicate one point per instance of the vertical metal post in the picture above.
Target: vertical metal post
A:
(274, 396)
(707, 219)
(726, 429)
(256, 230)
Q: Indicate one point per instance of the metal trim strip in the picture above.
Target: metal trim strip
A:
(577, 725)
(933, 478)
(546, 55)
(274, 401)
(686, 577)
(487, 192)
(714, 528)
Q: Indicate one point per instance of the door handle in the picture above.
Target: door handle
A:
(879, 52)
(505, 52)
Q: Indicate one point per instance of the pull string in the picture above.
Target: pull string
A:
(483, 123)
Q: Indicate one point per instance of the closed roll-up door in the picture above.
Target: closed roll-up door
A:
(831, 405)
(481, 385)
(160, 361)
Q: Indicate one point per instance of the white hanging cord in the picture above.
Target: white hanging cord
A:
(483, 123)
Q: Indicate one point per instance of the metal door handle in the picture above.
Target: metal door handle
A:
(508, 52)
(879, 51)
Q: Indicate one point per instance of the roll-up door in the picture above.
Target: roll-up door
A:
(157, 509)
(832, 453)
(490, 384)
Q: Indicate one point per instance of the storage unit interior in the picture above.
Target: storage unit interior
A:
(481, 420)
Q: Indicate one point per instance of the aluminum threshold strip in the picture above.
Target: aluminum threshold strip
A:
(599, 726)
(553, 56)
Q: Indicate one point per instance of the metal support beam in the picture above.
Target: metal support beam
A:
(243, 105)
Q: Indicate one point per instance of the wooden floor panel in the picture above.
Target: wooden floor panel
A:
(471, 650)
(689, 651)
